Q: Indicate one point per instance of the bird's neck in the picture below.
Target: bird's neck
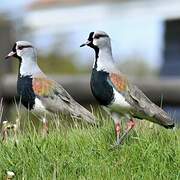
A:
(103, 59)
(29, 67)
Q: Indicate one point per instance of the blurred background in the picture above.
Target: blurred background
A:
(145, 41)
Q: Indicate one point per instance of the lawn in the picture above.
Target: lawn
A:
(78, 151)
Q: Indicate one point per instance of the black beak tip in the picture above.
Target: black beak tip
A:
(82, 45)
(6, 57)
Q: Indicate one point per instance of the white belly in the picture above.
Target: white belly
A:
(120, 100)
(39, 107)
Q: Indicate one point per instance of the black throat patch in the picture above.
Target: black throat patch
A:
(96, 49)
(14, 50)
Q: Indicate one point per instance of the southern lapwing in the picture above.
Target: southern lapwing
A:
(112, 89)
(40, 94)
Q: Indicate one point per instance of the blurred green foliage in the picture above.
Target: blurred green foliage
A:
(56, 64)
(138, 67)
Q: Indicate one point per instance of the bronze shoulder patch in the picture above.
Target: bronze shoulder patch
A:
(119, 82)
(42, 86)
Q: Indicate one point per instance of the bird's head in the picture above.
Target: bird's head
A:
(98, 39)
(27, 55)
(21, 50)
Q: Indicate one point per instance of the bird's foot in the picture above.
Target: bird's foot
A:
(115, 145)
(120, 139)
(117, 131)
(130, 126)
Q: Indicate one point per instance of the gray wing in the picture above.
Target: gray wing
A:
(142, 106)
(56, 99)
(136, 98)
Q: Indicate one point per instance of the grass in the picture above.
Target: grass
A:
(83, 152)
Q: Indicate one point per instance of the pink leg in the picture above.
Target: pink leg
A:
(117, 124)
(117, 130)
(45, 127)
(130, 125)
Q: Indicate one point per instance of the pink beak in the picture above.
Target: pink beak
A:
(10, 54)
(86, 43)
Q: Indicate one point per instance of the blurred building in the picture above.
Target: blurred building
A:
(171, 65)
(136, 27)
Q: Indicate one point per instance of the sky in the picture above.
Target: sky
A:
(12, 5)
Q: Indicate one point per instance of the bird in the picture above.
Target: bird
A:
(38, 93)
(113, 90)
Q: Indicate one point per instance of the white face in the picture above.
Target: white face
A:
(101, 39)
(27, 56)
(24, 48)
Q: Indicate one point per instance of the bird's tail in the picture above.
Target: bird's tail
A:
(163, 119)
(82, 113)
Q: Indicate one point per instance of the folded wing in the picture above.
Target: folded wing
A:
(137, 99)
(56, 99)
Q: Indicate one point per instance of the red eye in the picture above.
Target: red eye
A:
(97, 36)
(20, 47)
